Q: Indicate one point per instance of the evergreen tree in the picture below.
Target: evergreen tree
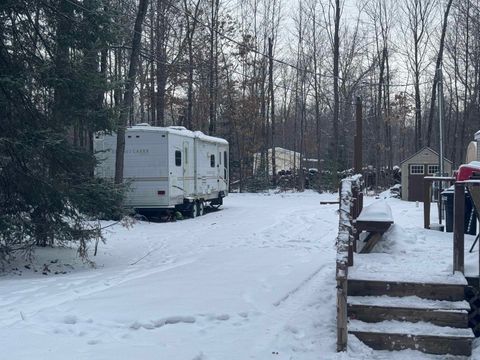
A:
(51, 102)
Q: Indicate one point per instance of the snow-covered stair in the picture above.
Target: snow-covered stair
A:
(431, 317)
(411, 308)
(422, 336)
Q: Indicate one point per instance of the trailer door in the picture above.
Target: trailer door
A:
(176, 175)
(188, 169)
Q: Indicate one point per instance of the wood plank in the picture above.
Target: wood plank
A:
(376, 226)
(450, 292)
(441, 317)
(370, 242)
(430, 344)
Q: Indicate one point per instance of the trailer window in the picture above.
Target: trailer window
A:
(225, 165)
(178, 158)
(212, 160)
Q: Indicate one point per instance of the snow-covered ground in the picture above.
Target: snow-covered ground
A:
(255, 280)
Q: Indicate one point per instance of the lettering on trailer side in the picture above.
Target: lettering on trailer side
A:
(136, 151)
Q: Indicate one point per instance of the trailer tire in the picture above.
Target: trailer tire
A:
(201, 208)
(216, 203)
(193, 211)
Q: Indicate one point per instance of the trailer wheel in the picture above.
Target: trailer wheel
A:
(192, 211)
(216, 203)
(201, 208)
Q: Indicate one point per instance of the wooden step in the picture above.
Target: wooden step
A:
(424, 337)
(372, 309)
(436, 291)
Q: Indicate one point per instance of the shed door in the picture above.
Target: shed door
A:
(416, 172)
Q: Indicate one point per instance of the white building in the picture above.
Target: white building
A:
(284, 160)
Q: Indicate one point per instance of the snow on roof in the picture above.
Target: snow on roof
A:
(178, 130)
(200, 135)
(378, 211)
(423, 149)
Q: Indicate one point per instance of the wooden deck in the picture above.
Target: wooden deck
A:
(404, 294)
(390, 309)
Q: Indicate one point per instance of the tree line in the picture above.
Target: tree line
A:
(259, 73)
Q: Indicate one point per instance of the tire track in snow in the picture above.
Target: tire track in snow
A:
(300, 286)
(304, 301)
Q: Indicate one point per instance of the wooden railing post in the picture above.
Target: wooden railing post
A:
(426, 203)
(350, 205)
(459, 227)
(353, 216)
(342, 320)
(360, 202)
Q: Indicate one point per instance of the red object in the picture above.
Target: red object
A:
(466, 171)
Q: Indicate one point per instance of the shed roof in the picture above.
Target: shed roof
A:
(423, 149)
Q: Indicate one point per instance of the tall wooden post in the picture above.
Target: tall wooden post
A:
(426, 203)
(342, 319)
(459, 227)
(353, 216)
(272, 108)
(357, 162)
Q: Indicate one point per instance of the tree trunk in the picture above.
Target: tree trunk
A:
(127, 104)
(336, 98)
(212, 69)
(62, 46)
(437, 66)
(161, 57)
(191, 25)
(152, 96)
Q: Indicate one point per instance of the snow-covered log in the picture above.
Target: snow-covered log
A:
(349, 190)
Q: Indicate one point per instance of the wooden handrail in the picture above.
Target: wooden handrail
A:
(350, 205)
(427, 184)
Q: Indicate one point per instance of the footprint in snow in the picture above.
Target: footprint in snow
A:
(163, 322)
(243, 315)
(70, 320)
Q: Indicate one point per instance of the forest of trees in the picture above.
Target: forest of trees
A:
(259, 73)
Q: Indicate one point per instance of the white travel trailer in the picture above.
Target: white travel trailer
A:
(168, 168)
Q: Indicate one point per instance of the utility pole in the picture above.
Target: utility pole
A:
(440, 128)
(272, 108)
(440, 115)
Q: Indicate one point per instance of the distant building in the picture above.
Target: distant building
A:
(472, 152)
(423, 163)
(285, 160)
(477, 140)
